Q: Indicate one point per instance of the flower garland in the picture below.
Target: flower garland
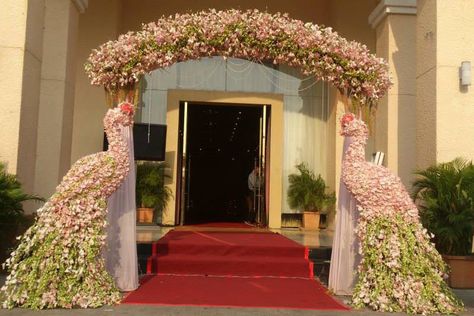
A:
(58, 262)
(252, 35)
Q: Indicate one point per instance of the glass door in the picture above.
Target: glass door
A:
(260, 164)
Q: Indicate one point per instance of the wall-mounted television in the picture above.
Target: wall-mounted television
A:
(149, 141)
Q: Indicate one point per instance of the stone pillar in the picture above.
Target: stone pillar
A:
(57, 93)
(21, 28)
(395, 126)
(445, 109)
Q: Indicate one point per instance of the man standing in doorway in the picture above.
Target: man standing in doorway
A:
(255, 185)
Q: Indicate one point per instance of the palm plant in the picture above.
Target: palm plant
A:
(308, 192)
(151, 191)
(445, 196)
(12, 220)
(12, 197)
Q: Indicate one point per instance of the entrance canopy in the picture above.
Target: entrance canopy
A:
(252, 35)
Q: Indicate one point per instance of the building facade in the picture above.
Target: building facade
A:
(51, 115)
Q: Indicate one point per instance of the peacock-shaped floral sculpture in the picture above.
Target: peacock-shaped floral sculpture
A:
(400, 269)
(58, 262)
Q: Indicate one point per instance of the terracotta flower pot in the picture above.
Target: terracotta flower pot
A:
(145, 215)
(462, 271)
(311, 220)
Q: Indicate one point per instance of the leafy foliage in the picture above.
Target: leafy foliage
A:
(308, 192)
(12, 197)
(401, 271)
(150, 189)
(445, 194)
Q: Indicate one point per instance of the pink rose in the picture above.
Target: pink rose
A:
(126, 108)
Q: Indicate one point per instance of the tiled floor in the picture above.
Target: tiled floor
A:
(310, 238)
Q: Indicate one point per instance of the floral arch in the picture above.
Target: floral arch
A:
(252, 35)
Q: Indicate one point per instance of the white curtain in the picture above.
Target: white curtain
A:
(121, 250)
(345, 256)
(305, 103)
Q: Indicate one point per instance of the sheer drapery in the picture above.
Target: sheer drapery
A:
(121, 250)
(305, 103)
(345, 257)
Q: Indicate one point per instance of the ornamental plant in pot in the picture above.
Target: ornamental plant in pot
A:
(445, 196)
(151, 193)
(308, 193)
(12, 219)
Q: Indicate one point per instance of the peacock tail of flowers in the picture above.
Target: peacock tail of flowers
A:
(58, 262)
(400, 270)
(48, 270)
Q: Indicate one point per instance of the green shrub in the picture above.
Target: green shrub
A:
(12, 219)
(308, 192)
(445, 196)
(150, 187)
(12, 197)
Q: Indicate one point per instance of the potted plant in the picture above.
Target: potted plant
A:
(308, 193)
(151, 193)
(445, 196)
(12, 218)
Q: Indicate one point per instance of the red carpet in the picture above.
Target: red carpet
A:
(233, 292)
(229, 253)
(228, 268)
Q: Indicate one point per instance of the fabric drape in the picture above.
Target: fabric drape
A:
(121, 250)
(345, 257)
(305, 112)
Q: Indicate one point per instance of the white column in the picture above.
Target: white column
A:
(395, 127)
(57, 93)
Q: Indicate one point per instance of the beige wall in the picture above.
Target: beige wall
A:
(99, 24)
(21, 34)
(276, 141)
(445, 110)
(137, 12)
(349, 19)
(455, 105)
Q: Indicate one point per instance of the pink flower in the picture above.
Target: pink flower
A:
(126, 108)
(255, 35)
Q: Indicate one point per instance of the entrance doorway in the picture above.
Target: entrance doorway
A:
(219, 146)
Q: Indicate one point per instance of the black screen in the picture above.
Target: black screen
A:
(149, 141)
